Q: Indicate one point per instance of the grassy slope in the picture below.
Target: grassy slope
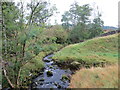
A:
(96, 78)
(102, 49)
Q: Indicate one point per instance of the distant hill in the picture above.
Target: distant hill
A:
(109, 28)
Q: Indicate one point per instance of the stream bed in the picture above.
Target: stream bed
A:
(52, 76)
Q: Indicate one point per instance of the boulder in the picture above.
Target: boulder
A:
(75, 63)
(49, 73)
(65, 77)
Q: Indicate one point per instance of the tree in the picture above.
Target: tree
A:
(77, 19)
(96, 26)
(76, 14)
(66, 20)
(19, 35)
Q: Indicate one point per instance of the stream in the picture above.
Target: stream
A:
(52, 76)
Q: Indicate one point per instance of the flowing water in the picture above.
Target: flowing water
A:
(55, 79)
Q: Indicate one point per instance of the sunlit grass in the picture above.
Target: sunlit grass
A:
(96, 78)
(102, 49)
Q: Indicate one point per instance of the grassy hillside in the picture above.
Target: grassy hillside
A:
(97, 50)
(96, 78)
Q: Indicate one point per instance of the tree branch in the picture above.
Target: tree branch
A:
(5, 73)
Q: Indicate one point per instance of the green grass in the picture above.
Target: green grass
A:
(96, 78)
(102, 49)
(51, 47)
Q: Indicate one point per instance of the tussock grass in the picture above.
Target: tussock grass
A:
(102, 49)
(96, 78)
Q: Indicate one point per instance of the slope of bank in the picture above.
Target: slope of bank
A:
(97, 50)
(34, 67)
(106, 77)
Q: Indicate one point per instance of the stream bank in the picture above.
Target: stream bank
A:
(52, 76)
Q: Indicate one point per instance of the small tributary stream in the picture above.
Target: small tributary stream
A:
(54, 79)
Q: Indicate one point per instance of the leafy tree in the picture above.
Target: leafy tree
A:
(20, 39)
(96, 26)
(66, 20)
(76, 14)
(79, 34)
(78, 21)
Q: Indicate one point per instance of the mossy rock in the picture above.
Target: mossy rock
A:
(46, 60)
(55, 84)
(49, 73)
(65, 77)
(42, 79)
(50, 66)
(74, 63)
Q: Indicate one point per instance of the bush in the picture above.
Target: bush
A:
(55, 34)
(79, 33)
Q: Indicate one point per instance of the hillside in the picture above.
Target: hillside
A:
(97, 50)
(91, 54)
(96, 78)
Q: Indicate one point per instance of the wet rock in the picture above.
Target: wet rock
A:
(41, 83)
(40, 73)
(75, 63)
(59, 86)
(50, 66)
(55, 83)
(65, 77)
(47, 82)
(73, 72)
(46, 60)
(49, 73)
(35, 83)
(42, 79)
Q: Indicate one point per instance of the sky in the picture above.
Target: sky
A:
(108, 9)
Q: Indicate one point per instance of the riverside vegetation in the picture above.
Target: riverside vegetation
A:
(98, 52)
(27, 37)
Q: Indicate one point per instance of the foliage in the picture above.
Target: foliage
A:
(21, 29)
(78, 34)
(78, 21)
(51, 47)
(96, 27)
(55, 34)
(76, 14)
(28, 70)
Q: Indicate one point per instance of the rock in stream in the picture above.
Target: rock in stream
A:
(52, 76)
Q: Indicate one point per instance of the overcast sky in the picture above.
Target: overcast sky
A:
(108, 9)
